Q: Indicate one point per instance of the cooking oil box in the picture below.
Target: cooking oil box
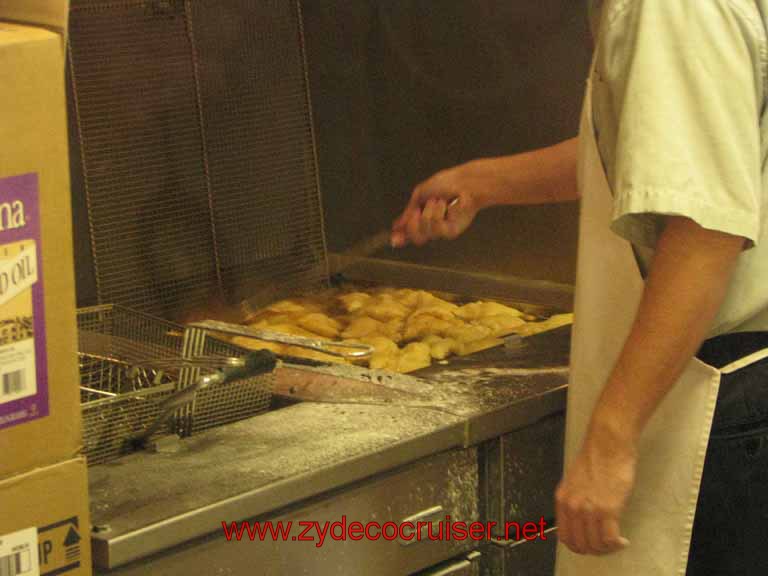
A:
(40, 423)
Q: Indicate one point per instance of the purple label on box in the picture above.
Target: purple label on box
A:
(23, 362)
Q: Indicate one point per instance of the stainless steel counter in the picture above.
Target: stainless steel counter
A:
(346, 426)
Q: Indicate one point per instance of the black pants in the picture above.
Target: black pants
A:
(730, 533)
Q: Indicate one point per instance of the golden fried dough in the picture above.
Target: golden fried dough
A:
(418, 328)
(426, 325)
(287, 307)
(280, 319)
(468, 333)
(414, 356)
(385, 309)
(385, 353)
(549, 324)
(427, 300)
(477, 310)
(380, 344)
(407, 297)
(434, 327)
(441, 348)
(321, 324)
(384, 361)
(353, 301)
(501, 324)
(435, 311)
(393, 329)
(362, 326)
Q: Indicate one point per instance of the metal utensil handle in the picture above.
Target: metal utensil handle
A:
(252, 364)
(210, 362)
(326, 347)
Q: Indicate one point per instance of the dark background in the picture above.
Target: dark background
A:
(403, 88)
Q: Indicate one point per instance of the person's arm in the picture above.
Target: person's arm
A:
(543, 176)
(686, 285)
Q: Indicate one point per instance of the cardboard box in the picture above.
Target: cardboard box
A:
(40, 421)
(44, 525)
(50, 14)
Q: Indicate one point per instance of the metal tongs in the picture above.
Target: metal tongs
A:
(332, 348)
(226, 369)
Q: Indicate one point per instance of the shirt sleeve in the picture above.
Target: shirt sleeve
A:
(680, 90)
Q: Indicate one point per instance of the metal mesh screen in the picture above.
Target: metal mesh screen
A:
(119, 400)
(116, 402)
(257, 124)
(197, 150)
(219, 404)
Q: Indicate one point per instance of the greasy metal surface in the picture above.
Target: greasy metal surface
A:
(353, 423)
(253, 467)
(475, 387)
(336, 348)
(196, 147)
(445, 483)
(279, 458)
(520, 383)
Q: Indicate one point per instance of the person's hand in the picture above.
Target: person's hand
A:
(441, 207)
(593, 494)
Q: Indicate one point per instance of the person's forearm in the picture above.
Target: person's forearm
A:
(687, 283)
(543, 176)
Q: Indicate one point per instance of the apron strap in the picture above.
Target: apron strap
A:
(744, 362)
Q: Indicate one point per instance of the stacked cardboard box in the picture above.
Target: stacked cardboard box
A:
(44, 523)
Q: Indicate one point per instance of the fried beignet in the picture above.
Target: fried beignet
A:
(321, 324)
(384, 309)
(362, 326)
(501, 324)
(477, 310)
(413, 357)
(353, 301)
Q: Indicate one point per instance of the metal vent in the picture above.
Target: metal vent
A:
(197, 151)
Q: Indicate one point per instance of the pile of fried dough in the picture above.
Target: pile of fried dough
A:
(406, 328)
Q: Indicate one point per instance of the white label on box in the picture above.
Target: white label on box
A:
(18, 554)
(18, 273)
(17, 372)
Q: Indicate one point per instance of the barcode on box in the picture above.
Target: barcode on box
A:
(13, 383)
(16, 564)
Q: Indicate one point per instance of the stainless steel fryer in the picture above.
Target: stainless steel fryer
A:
(193, 136)
(196, 146)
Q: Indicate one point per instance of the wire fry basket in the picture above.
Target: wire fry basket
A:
(121, 391)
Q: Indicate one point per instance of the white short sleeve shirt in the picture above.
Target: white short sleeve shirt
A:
(679, 98)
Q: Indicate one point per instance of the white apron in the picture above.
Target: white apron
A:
(658, 520)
